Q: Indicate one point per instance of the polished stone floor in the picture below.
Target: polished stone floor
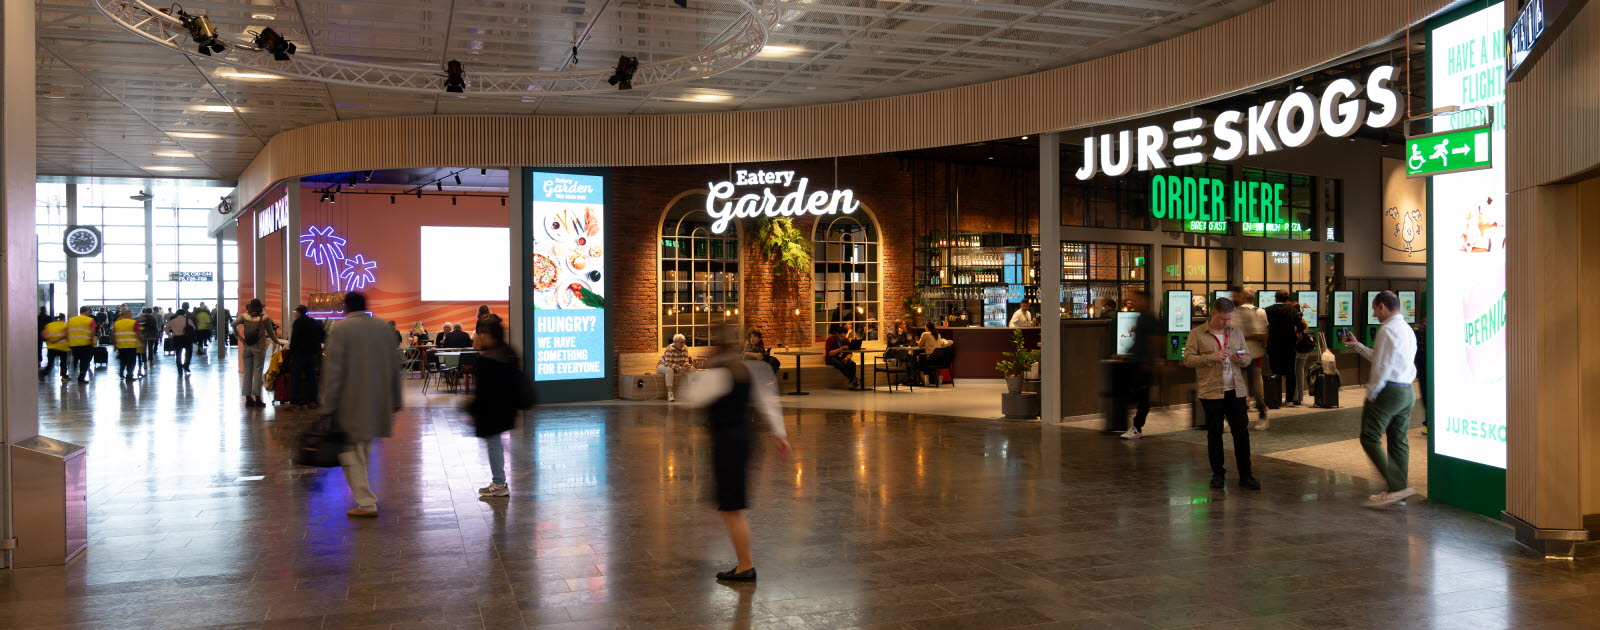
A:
(882, 520)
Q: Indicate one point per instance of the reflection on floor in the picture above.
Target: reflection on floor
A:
(883, 520)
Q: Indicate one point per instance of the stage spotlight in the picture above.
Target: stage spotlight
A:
(452, 200)
(201, 31)
(623, 77)
(270, 41)
(455, 80)
(458, 180)
(391, 200)
(439, 185)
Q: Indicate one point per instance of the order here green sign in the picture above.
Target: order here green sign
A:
(1448, 152)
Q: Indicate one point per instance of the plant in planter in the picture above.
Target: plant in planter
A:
(1016, 362)
(784, 244)
(913, 304)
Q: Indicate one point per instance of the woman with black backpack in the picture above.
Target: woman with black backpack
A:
(502, 390)
(257, 334)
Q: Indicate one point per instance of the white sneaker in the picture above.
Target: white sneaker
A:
(671, 398)
(1383, 499)
(1133, 433)
(495, 490)
(1262, 424)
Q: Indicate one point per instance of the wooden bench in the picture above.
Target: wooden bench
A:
(816, 374)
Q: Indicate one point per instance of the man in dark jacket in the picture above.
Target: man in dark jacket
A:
(305, 357)
(457, 338)
(1283, 320)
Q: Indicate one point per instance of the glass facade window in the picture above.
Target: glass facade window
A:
(1274, 271)
(1333, 210)
(1098, 278)
(1295, 195)
(1201, 270)
(1221, 172)
(699, 273)
(1108, 202)
(845, 279)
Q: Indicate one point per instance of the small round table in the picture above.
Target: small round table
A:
(797, 354)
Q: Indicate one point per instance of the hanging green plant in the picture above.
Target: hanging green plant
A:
(784, 245)
(913, 302)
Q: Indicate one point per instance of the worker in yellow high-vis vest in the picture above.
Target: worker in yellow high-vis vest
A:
(125, 333)
(55, 345)
(80, 338)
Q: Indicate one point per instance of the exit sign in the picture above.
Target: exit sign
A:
(1448, 152)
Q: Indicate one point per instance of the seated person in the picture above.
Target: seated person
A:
(456, 338)
(419, 334)
(439, 340)
(900, 337)
(674, 361)
(836, 352)
(755, 349)
(933, 360)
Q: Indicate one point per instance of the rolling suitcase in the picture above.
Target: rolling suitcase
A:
(280, 388)
(1272, 390)
(1325, 389)
(101, 355)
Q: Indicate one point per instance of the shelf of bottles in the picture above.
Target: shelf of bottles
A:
(955, 268)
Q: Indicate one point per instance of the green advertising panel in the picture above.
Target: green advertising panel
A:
(1449, 152)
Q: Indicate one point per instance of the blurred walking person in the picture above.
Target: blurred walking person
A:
(1148, 343)
(125, 334)
(56, 348)
(361, 392)
(202, 327)
(497, 398)
(305, 356)
(1218, 355)
(1283, 334)
(80, 339)
(257, 335)
(1252, 321)
(1387, 412)
(150, 335)
(729, 391)
(180, 329)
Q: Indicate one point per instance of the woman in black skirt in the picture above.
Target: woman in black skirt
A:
(729, 391)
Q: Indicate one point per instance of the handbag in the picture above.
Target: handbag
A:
(320, 444)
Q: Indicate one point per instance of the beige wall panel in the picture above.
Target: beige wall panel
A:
(1232, 56)
(1554, 111)
(1589, 350)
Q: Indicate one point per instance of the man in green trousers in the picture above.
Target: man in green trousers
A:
(1389, 398)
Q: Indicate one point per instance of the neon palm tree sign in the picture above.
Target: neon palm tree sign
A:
(326, 249)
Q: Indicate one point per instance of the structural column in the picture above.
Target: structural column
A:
(150, 252)
(19, 263)
(74, 277)
(291, 254)
(1050, 394)
(516, 200)
(219, 326)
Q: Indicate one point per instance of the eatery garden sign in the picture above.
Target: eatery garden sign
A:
(766, 203)
(1292, 122)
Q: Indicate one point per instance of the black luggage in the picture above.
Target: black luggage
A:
(101, 355)
(280, 388)
(1272, 390)
(320, 444)
(1325, 390)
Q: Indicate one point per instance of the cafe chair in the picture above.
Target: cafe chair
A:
(464, 370)
(937, 366)
(896, 364)
(434, 369)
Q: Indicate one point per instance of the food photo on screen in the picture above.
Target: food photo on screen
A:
(568, 256)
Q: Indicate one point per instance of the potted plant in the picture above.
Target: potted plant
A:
(1016, 362)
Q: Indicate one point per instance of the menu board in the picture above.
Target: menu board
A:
(1408, 306)
(1265, 298)
(1344, 308)
(1309, 301)
(1372, 320)
(568, 225)
(1180, 311)
(1126, 335)
(1221, 293)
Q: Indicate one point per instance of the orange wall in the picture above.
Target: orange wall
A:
(391, 235)
(271, 293)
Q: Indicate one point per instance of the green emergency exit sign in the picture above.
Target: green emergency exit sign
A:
(1448, 152)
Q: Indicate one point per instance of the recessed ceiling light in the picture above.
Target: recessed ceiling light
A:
(195, 134)
(774, 50)
(182, 154)
(709, 97)
(215, 108)
(163, 168)
(263, 16)
(249, 76)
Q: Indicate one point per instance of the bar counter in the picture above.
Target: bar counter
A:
(978, 349)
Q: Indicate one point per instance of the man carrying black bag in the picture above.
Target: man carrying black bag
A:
(360, 392)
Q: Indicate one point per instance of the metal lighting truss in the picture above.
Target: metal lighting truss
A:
(746, 38)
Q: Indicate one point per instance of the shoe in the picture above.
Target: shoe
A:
(1261, 413)
(732, 575)
(1217, 481)
(495, 490)
(671, 397)
(1264, 423)
(365, 512)
(1385, 499)
(1249, 483)
(1132, 433)
(66, 379)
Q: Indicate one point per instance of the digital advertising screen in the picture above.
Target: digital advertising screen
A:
(1408, 305)
(1180, 311)
(440, 260)
(1344, 308)
(1467, 314)
(1265, 298)
(1309, 303)
(1221, 293)
(1372, 320)
(568, 276)
(1126, 321)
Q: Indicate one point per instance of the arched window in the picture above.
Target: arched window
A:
(699, 274)
(845, 281)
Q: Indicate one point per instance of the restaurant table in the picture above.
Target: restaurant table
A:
(797, 354)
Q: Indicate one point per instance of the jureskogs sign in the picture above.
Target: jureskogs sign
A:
(1276, 125)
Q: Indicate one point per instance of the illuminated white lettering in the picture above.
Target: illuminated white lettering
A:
(1300, 106)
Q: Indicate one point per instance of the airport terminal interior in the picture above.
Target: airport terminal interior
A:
(799, 314)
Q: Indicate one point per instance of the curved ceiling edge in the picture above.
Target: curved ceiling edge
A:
(1233, 55)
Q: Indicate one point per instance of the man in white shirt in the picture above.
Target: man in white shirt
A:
(1023, 318)
(1252, 321)
(1389, 398)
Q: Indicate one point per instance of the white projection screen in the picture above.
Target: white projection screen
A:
(465, 264)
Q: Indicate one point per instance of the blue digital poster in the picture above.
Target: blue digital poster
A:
(569, 275)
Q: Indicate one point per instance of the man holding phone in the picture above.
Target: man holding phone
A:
(1217, 352)
(1389, 398)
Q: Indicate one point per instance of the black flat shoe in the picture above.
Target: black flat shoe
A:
(1250, 483)
(1217, 481)
(731, 576)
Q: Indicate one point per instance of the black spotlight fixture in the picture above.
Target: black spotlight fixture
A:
(439, 185)
(455, 79)
(623, 76)
(270, 41)
(458, 180)
(391, 200)
(201, 31)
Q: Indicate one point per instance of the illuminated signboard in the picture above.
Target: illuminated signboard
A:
(1208, 204)
(326, 249)
(1308, 307)
(273, 217)
(724, 203)
(1180, 309)
(1344, 308)
(568, 224)
(1292, 122)
(1127, 321)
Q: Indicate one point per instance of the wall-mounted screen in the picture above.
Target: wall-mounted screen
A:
(569, 276)
(1344, 308)
(1127, 321)
(1180, 311)
(1408, 305)
(1266, 297)
(1372, 320)
(484, 276)
(1309, 303)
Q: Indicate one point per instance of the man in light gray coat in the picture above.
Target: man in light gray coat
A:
(361, 390)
